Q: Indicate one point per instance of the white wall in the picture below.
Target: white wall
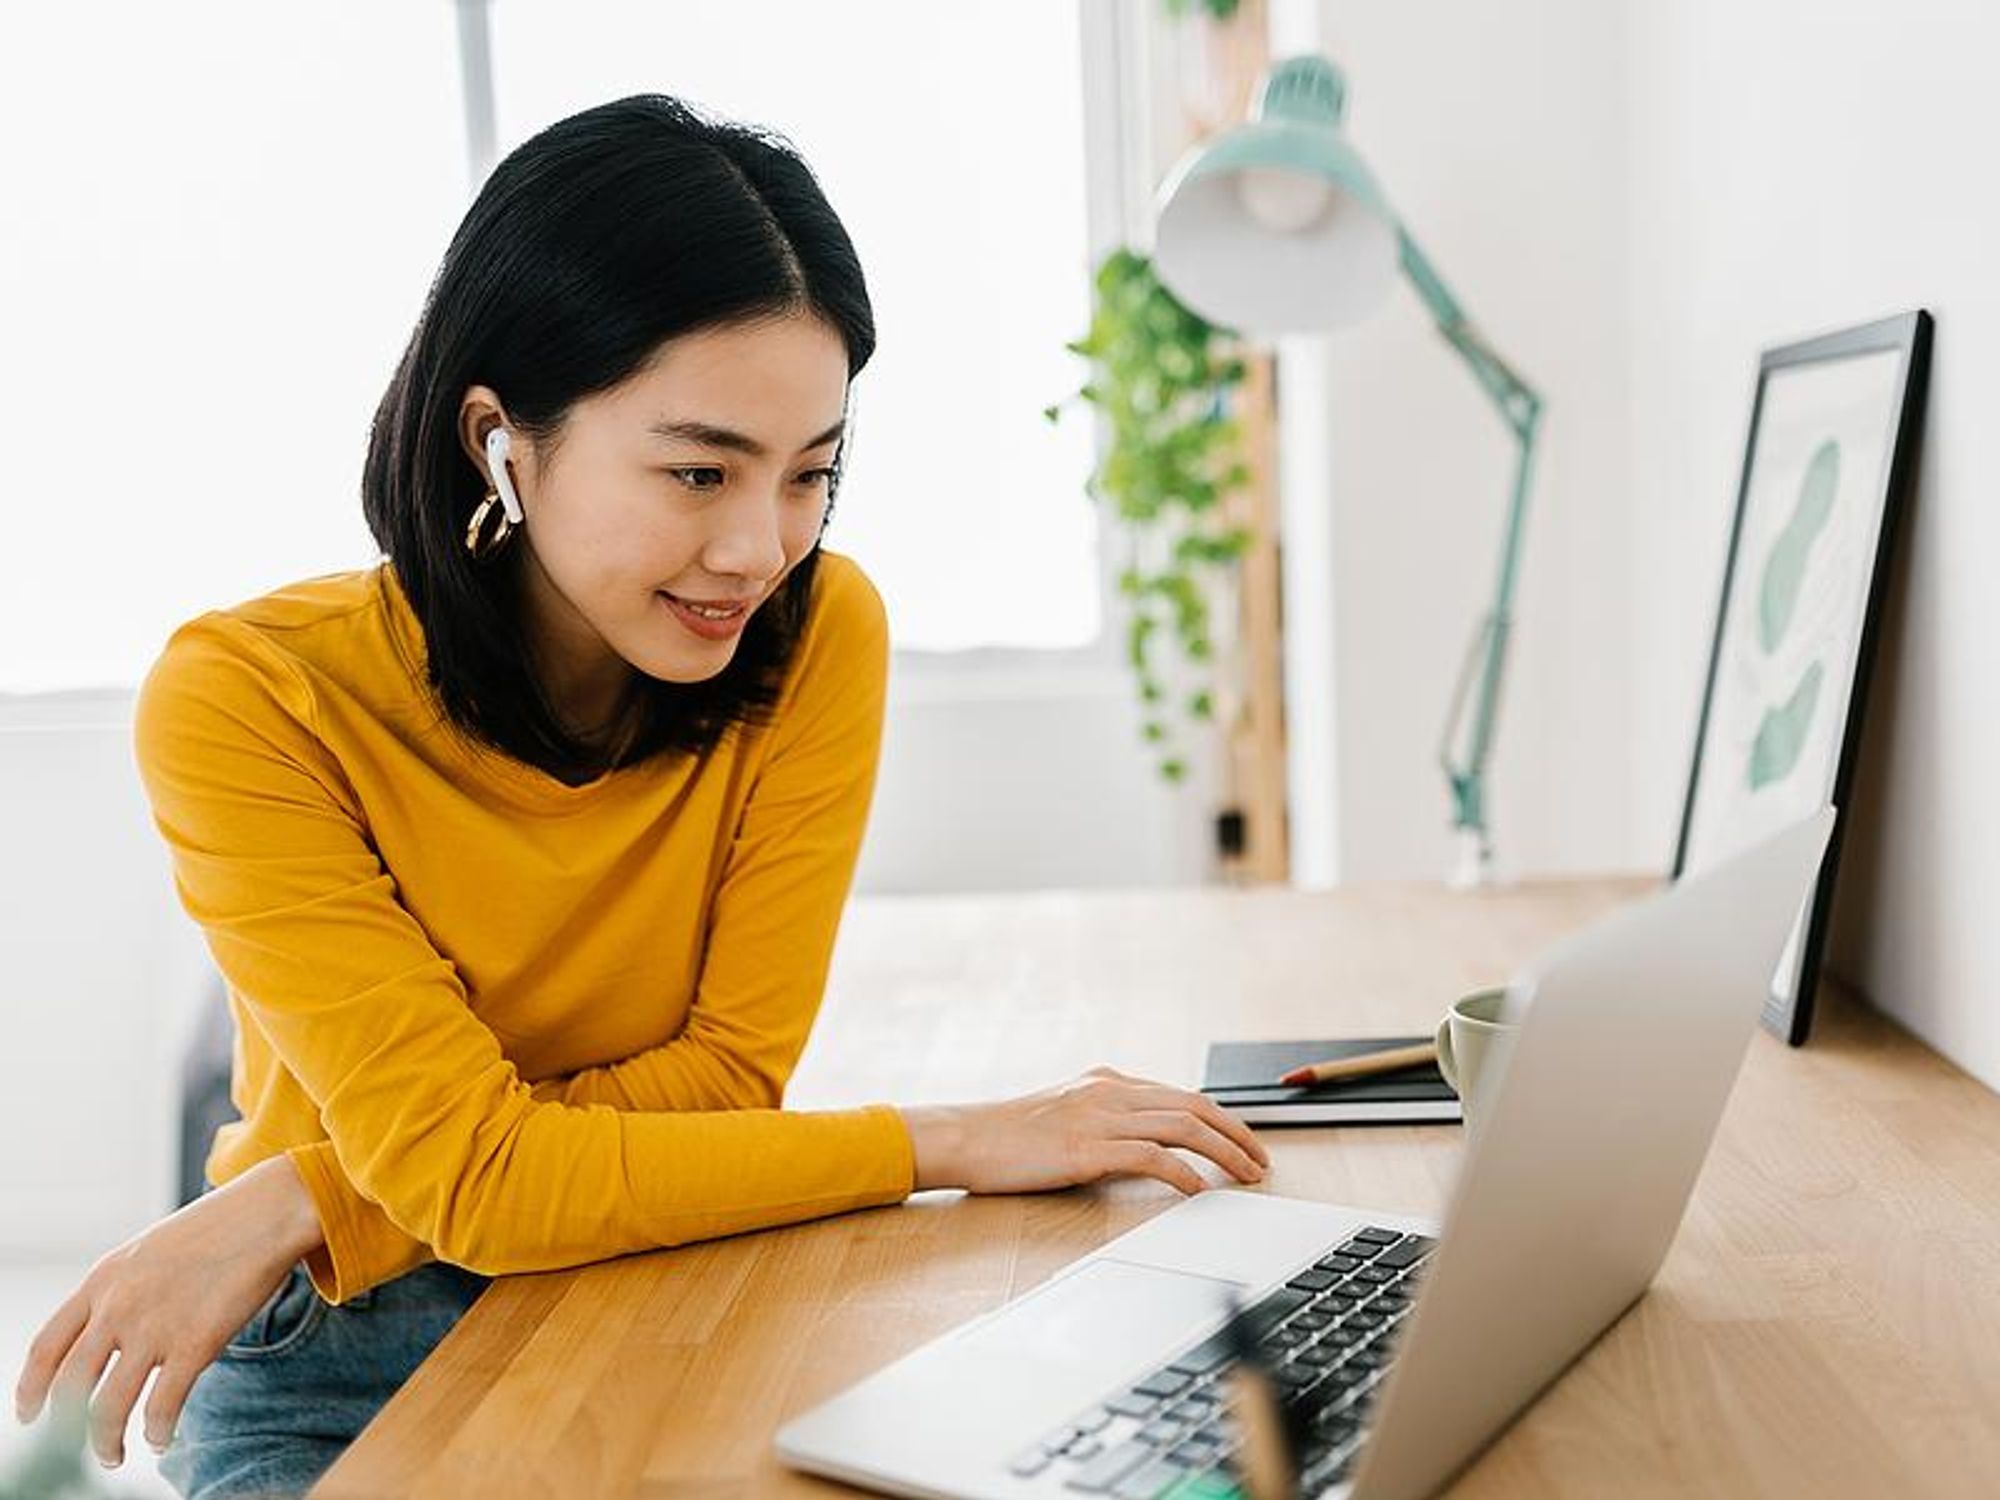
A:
(1498, 132)
(1788, 176)
(1001, 776)
(100, 977)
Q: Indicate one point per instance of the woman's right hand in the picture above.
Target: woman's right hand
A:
(168, 1298)
(1100, 1125)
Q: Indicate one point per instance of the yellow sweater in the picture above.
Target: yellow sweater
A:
(493, 1018)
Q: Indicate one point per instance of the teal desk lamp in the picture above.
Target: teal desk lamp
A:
(1277, 226)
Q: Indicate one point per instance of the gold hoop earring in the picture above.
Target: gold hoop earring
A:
(485, 545)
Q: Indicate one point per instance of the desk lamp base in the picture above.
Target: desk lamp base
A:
(1474, 870)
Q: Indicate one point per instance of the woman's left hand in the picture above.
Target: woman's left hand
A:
(169, 1298)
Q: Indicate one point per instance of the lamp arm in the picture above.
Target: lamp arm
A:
(1485, 659)
(1519, 405)
(1521, 409)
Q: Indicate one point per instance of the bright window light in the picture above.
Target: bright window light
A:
(220, 223)
(222, 220)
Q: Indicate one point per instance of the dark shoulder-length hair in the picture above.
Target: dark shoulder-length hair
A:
(588, 247)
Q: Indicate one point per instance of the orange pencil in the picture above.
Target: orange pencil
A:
(1386, 1061)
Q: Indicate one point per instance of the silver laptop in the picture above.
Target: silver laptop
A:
(1404, 1350)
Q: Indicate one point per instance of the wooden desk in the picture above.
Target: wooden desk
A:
(1828, 1322)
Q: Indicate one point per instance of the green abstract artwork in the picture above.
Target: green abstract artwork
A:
(1785, 568)
(1785, 727)
(1781, 735)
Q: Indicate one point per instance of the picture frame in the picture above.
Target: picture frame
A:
(1834, 429)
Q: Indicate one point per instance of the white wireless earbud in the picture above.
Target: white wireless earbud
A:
(498, 444)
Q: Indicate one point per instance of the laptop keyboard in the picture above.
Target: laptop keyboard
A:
(1325, 1336)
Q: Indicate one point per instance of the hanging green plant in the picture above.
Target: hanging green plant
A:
(1220, 10)
(1161, 375)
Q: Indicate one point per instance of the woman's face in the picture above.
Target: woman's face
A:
(671, 506)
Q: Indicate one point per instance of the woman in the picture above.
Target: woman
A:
(523, 852)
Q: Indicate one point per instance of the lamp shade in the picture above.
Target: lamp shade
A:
(1277, 226)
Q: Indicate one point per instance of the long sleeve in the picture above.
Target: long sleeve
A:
(432, 1130)
(364, 1248)
(691, 1073)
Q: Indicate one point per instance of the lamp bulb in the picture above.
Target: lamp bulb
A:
(1284, 202)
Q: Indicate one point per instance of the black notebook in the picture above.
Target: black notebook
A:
(1243, 1076)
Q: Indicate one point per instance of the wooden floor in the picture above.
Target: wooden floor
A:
(1828, 1323)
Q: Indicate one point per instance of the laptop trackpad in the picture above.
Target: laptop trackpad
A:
(1106, 1314)
(948, 1418)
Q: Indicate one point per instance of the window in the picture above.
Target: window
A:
(223, 219)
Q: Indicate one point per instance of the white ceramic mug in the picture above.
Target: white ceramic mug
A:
(1468, 1039)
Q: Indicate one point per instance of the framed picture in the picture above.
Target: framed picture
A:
(1833, 435)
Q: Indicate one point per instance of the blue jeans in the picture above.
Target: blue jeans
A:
(302, 1378)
